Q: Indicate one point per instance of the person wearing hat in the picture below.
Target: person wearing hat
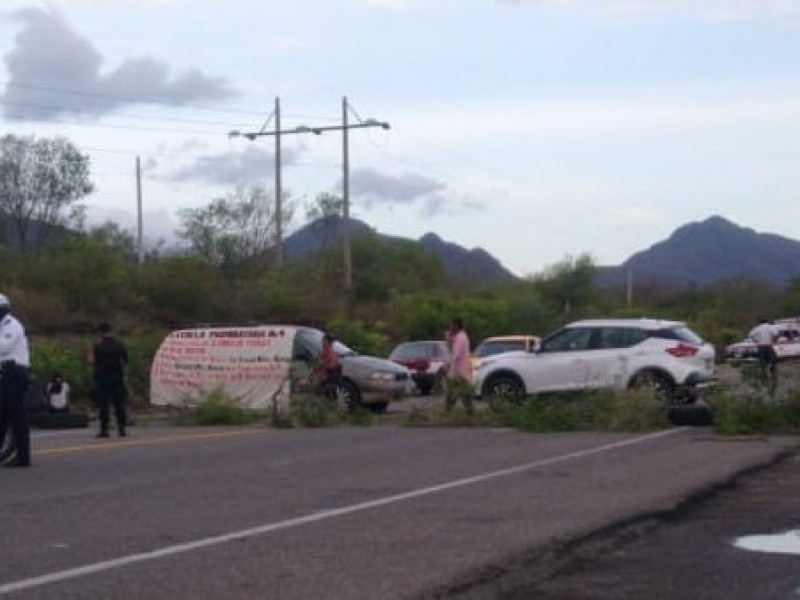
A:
(14, 369)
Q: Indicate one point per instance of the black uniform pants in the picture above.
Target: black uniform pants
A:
(13, 412)
(111, 392)
(768, 359)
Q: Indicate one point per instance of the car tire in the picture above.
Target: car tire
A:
(378, 407)
(502, 389)
(425, 388)
(349, 396)
(440, 385)
(662, 386)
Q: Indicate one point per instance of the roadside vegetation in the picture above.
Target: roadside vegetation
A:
(606, 410)
(216, 408)
(63, 279)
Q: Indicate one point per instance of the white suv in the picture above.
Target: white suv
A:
(604, 353)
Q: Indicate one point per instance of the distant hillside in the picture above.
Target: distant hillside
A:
(458, 262)
(702, 253)
(475, 264)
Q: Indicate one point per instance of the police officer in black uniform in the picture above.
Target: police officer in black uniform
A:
(14, 371)
(108, 359)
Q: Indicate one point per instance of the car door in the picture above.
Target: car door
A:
(560, 364)
(306, 348)
(607, 362)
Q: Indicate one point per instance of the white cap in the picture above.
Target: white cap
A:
(4, 301)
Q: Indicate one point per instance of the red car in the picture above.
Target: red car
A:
(427, 361)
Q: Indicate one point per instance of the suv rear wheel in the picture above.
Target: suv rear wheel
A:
(660, 384)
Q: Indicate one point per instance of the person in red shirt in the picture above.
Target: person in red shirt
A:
(329, 368)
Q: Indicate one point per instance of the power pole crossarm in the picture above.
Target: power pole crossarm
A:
(345, 127)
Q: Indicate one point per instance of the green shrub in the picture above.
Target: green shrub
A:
(313, 410)
(606, 410)
(359, 337)
(217, 408)
(745, 412)
(360, 416)
(49, 356)
(141, 351)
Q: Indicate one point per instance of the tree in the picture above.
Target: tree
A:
(234, 229)
(324, 205)
(569, 285)
(41, 180)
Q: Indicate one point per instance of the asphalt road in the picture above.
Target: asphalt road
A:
(377, 512)
(740, 544)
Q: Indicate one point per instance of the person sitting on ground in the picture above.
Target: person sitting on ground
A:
(57, 391)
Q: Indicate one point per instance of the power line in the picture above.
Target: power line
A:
(127, 98)
(152, 118)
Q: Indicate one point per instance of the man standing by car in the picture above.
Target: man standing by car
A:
(765, 334)
(14, 367)
(459, 373)
(329, 367)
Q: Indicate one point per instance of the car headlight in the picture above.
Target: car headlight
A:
(382, 376)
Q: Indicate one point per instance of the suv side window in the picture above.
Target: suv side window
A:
(568, 340)
(678, 334)
(620, 337)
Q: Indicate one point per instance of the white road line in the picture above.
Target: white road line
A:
(85, 431)
(122, 561)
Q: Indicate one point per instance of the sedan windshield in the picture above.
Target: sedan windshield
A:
(315, 337)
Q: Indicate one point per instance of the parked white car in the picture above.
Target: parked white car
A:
(604, 353)
(786, 347)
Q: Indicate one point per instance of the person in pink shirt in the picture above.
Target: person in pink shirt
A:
(459, 372)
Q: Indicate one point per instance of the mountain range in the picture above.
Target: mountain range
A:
(458, 262)
(696, 254)
(705, 252)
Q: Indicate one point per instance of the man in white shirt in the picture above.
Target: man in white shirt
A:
(14, 367)
(765, 334)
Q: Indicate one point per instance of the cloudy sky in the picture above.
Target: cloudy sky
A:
(536, 129)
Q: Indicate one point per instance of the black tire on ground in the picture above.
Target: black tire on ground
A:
(66, 420)
(441, 382)
(662, 386)
(378, 407)
(425, 388)
(693, 415)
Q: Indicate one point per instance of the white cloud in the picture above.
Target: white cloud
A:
(54, 71)
(713, 10)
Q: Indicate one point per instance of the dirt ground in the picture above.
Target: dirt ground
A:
(735, 376)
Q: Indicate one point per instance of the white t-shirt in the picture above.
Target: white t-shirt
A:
(60, 400)
(764, 334)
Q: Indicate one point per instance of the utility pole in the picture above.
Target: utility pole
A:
(277, 132)
(348, 257)
(629, 287)
(345, 127)
(278, 189)
(139, 226)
